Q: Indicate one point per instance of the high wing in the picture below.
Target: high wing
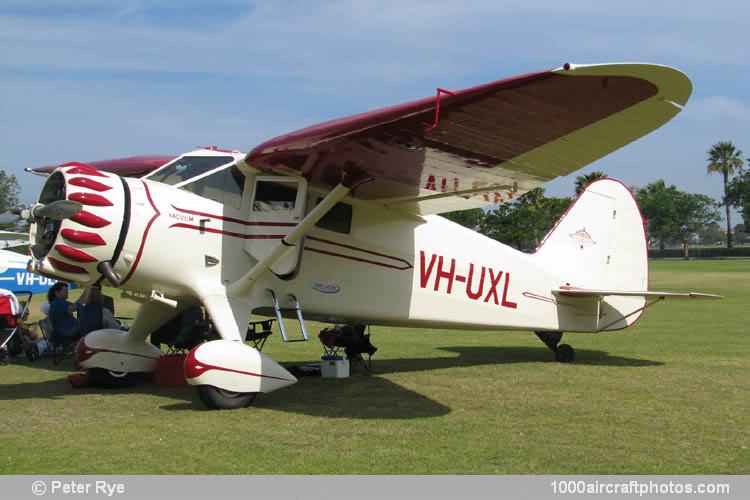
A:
(486, 144)
(133, 166)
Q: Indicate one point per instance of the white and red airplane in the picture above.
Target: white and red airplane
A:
(339, 221)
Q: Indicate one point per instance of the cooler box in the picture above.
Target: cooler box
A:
(169, 370)
(334, 367)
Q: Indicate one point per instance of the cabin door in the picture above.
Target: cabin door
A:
(277, 206)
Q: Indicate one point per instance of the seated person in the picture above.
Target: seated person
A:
(61, 312)
(93, 314)
(44, 308)
(184, 331)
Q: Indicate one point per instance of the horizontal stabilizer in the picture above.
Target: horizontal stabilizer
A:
(577, 292)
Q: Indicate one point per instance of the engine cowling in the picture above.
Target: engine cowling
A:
(73, 248)
(138, 234)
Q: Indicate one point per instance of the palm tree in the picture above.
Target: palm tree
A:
(584, 180)
(723, 157)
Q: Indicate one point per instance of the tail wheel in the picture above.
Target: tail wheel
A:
(221, 399)
(565, 353)
(109, 379)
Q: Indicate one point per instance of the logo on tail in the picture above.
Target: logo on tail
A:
(583, 238)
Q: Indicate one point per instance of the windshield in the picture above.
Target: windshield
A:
(188, 167)
(225, 186)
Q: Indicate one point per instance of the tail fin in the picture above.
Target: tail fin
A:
(600, 243)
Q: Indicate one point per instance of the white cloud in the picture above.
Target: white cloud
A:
(719, 108)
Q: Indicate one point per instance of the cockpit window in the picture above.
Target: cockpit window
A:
(188, 167)
(225, 186)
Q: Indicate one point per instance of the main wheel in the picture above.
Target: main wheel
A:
(100, 377)
(565, 353)
(220, 399)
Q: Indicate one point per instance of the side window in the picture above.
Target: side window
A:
(277, 198)
(338, 219)
(224, 186)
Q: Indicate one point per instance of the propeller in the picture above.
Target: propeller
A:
(57, 210)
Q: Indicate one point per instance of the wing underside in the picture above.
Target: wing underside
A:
(487, 144)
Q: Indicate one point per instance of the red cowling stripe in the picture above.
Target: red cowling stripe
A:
(82, 168)
(82, 237)
(92, 199)
(90, 220)
(87, 183)
(75, 254)
(65, 267)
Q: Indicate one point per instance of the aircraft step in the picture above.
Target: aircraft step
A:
(297, 310)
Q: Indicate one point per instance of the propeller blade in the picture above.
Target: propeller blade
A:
(57, 210)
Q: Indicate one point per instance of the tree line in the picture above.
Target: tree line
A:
(9, 191)
(672, 216)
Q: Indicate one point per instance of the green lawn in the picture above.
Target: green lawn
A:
(701, 266)
(669, 396)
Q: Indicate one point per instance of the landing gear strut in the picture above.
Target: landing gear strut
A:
(563, 352)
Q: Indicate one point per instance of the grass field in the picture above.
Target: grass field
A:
(669, 396)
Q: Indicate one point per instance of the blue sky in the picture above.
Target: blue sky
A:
(86, 79)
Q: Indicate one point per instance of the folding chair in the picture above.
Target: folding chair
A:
(60, 346)
(258, 332)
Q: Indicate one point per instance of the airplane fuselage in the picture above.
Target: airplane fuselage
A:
(374, 265)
